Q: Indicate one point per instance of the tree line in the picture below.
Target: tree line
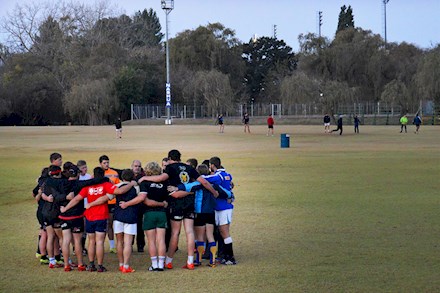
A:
(86, 64)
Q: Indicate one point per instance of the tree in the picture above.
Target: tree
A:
(396, 93)
(214, 90)
(262, 56)
(91, 102)
(346, 19)
(428, 76)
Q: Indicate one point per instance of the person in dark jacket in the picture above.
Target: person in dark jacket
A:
(339, 125)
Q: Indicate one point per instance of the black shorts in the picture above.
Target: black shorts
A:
(40, 218)
(203, 219)
(76, 225)
(111, 208)
(180, 214)
(270, 126)
(50, 221)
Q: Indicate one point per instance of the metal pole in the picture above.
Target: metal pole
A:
(167, 6)
(385, 19)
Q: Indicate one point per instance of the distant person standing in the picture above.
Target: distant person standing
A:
(118, 125)
(246, 122)
(339, 125)
(417, 121)
(220, 123)
(326, 123)
(403, 123)
(270, 124)
(356, 124)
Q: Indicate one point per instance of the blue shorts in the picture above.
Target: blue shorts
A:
(96, 226)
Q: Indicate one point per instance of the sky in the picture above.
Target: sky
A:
(410, 21)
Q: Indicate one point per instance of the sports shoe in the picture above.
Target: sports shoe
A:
(212, 265)
(159, 270)
(60, 262)
(67, 268)
(72, 264)
(169, 265)
(44, 261)
(189, 266)
(127, 270)
(229, 262)
(121, 268)
(84, 252)
(38, 255)
(196, 263)
(91, 268)
(55, 265)
(113, 250)
(82, 268)
(101, 269)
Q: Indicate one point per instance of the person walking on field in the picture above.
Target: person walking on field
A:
(339, 125)
(270, 124)
(220, 123)
(246, 122)
(118, 125)
(403, 123)
(417, 121)
(326, 123)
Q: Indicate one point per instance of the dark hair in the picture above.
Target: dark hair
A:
(165, 160)
(216, 162)
(127, 175)
(103, 158)
(203, 169)
(98, 172)
(54, 170)
(69, 169)
(54, 157)
(193, 162)
(206, 162)
(174, 155)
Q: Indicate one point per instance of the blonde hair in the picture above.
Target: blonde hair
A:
(153, 168)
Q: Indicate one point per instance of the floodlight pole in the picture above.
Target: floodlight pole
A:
(167, 6)
(385, 2)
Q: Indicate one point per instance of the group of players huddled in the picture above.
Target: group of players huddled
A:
(74, 206)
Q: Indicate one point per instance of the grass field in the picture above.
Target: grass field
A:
(350, 213)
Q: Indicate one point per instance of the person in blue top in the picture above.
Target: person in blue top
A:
(204, 208)
(417, 121)
(356, 124)
(223, 209)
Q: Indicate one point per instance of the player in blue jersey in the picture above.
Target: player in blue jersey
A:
(223, 210)
(204, 207)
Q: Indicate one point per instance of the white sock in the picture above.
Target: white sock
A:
(161, 262)
(121, 264)
(168, 260)
(154, 262)
(112, 244)
(190, 259)
(52, 260)
(228, 240)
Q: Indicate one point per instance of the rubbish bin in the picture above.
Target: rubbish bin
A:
(285, 140)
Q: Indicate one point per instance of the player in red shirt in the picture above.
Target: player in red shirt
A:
(270, 124)
(96, 216)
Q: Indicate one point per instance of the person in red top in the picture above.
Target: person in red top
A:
(96, 216)
(270, 123)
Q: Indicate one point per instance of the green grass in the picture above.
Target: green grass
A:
(350, 213)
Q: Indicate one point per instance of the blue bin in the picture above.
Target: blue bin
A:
(285, 140)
